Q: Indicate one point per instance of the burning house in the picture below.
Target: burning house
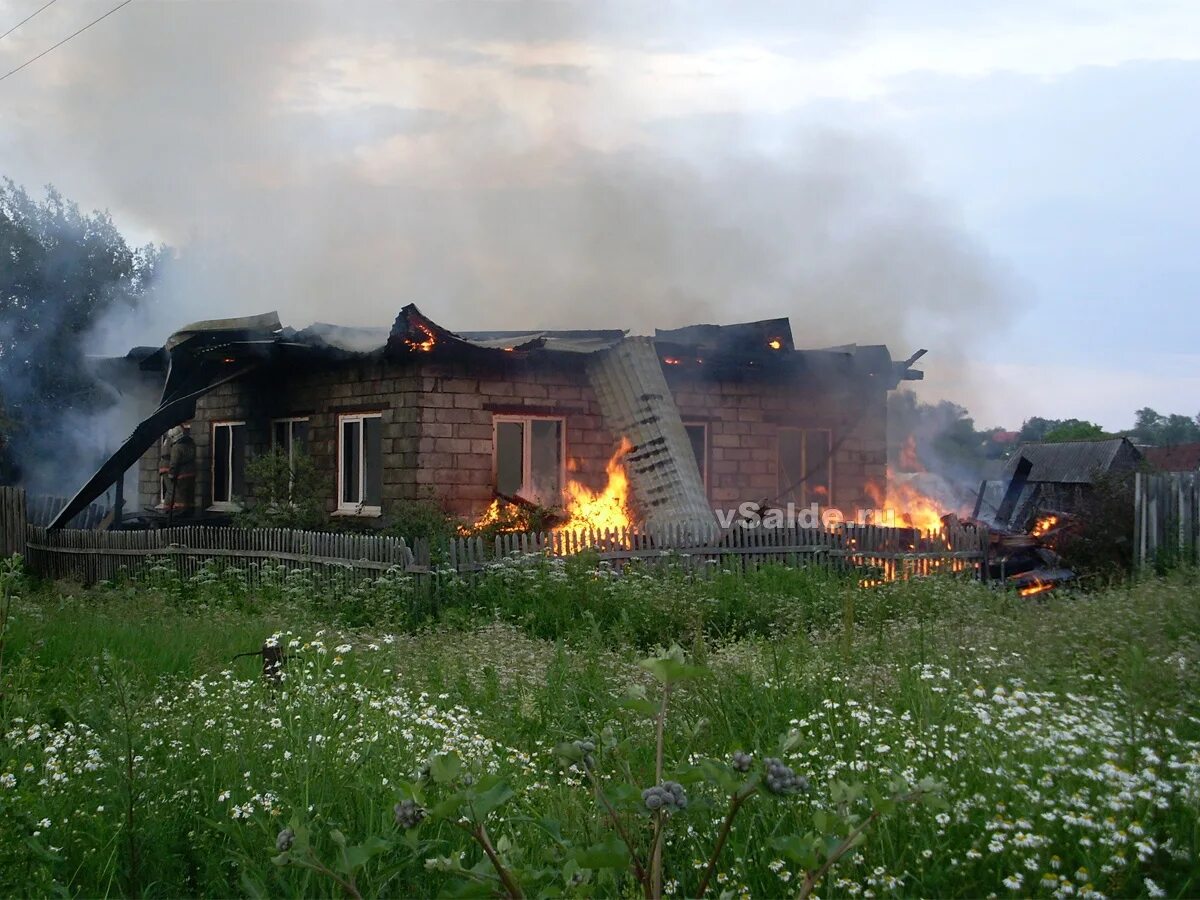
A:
(605, 426)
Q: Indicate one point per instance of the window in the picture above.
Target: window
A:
(360, 463)
(228, 462)
(290, 436)
(805, 466)
(529, 456)
(697, 433)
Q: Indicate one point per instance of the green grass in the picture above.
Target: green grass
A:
(1065, 730)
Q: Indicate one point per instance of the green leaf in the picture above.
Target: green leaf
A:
(492, 798)
(445, 767)
(337, 837)
(789, 742)
(449, 807)
(568, 752)
(358, 856)
(611, 854)
(800, 850)
(282, 859)
(669, 670)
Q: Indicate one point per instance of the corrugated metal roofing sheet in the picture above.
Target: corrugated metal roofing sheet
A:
(637, 403)
(1069, 462)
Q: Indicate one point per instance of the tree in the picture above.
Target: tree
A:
(62, 272)
(1149, 427)
(1036, 428)
(286, 493)
(1075, 430)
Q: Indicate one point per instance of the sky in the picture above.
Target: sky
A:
(1010, 186)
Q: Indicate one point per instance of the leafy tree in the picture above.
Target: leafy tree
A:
(1075, 430)
(1149, 427)
(1036, 428)
(62, 271)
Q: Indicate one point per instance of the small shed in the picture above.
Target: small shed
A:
(1056, 476)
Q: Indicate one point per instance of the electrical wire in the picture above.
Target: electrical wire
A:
(64, 40)
(26, 19)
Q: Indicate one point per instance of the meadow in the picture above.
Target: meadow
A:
(558, 730)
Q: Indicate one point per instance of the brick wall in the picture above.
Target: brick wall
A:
(438, 425)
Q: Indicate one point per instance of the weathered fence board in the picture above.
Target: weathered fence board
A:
(1166, 516)
(13, 516)
(880, 554)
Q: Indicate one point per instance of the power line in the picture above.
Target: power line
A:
(26, 19)
(64, 40)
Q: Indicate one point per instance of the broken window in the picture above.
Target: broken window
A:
(529, 456)
(228, 462)
(290, 436)
(697, 433)
(805, 466)
(360, 462)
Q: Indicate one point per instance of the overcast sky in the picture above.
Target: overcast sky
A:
(1010, 185)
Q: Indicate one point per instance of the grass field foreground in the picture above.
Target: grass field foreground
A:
(1063, 736)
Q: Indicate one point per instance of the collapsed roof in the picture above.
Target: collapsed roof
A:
(203, 355)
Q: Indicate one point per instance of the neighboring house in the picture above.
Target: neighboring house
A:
(1180, 458)
(718, 415)
(1060, 476)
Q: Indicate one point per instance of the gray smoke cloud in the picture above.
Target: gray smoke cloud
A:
(501, 165)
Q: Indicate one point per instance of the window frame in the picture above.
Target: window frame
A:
(707, 448)
(357, 509)
(289, 421)
(230, 505)
(804, 500)
(527, 448)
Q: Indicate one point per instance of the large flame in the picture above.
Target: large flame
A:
(601, 510)
(910, 507)
(607, 508)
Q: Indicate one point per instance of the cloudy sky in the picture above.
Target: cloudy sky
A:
(1010, 185)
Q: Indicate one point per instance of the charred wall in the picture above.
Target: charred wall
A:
(437, 424)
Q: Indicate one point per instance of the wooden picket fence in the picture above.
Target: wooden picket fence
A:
(91, 556)
(881, 553)
(1166, 509)
(877, 553)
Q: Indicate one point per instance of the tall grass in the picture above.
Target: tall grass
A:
(139, 757)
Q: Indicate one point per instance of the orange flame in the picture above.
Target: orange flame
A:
(607, 508)
(1044, 524)
(1038, 587)
(426, 345)
(912, 508)
(775, 344)
(671, 360)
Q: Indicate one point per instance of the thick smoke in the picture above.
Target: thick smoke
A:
(503, 166)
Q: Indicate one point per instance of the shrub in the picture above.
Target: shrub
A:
(287, 492)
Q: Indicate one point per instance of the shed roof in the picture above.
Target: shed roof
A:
(1072, 462)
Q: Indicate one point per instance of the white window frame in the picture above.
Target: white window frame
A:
(706, 450)
(289, 421)
(805, 498)
(222, 505)
(356, 509)
(527, 455)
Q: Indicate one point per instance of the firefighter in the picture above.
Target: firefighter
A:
(183, 469)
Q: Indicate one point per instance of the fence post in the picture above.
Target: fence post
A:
(12, 521)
